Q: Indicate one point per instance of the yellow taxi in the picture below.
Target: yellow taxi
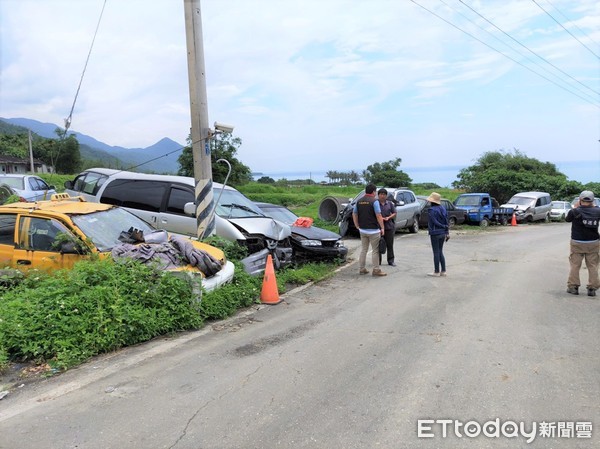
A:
(54, 234)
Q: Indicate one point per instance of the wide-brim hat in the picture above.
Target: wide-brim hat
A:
(435, 198)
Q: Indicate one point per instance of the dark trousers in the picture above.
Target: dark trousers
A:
(437, 244)
(388, 236)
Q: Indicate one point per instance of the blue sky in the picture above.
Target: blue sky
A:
(320, 85)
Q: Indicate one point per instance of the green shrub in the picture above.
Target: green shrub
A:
(226, 300)
(94, 308)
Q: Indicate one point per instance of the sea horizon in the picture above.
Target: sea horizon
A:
(580, 171)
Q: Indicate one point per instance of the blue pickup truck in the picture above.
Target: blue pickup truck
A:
(482, 209)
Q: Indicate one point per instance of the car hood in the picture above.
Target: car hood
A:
(266, 226)
(515, 206)
(314, 233)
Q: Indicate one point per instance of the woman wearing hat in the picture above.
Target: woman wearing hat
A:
(439, 233)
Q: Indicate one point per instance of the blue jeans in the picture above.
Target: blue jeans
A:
(437, 244)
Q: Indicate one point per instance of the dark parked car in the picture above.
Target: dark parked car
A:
(455, 216)
(308, 243)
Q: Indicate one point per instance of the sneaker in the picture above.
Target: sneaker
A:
(591, 292)
(436, 274)
(443, 273)
(378, 272)
(363, 271)
(573, 290)
(391, 264)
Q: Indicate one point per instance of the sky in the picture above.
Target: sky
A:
(319, 85)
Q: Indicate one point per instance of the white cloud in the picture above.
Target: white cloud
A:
(334, 84)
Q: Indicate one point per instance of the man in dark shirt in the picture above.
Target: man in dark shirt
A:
(585, 243)
(369, 222)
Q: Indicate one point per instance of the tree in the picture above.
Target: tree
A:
(503, 174)
(68, 157)
(387, 174)
(225, 146)
(265, 180)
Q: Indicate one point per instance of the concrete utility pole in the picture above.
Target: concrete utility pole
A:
(201, 132)
(31, 154)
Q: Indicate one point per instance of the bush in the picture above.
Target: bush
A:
(96, 307)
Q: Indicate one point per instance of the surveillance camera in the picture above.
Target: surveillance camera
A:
(224, 128)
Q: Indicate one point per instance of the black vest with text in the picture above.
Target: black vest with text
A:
(366, 213)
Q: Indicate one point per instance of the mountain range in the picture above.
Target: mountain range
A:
(158, 158)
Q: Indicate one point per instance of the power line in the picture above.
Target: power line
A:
(573, 23)
(68, 119)
(528, 49)
(561, 25)
(503, 54)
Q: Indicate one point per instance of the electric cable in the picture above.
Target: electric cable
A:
(503, 54)
(527, 48)
(561, 25)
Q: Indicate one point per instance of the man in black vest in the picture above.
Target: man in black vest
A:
(585, 243)
(369, 222)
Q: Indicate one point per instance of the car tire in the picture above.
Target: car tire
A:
(344, 225)
(415, 226)
(484, 223)
(452, 222)
(547, 218)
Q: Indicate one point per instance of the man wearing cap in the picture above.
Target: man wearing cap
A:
(369, 222)
(585, 243)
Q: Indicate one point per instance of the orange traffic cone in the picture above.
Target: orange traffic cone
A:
(513, 221)
(269, 293)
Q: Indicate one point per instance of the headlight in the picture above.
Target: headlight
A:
(310, 243)
(473, 211)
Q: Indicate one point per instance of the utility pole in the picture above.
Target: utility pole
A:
(31, 153)
(201, 133)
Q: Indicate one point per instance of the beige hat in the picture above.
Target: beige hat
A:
(435, 198)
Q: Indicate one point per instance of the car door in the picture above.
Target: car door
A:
(173, 218)
(144, 198)
(35, 244)
(402, 210)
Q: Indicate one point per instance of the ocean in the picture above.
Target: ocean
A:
(583, 172)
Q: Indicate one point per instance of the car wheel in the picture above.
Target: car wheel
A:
(5, 193)
(415, 226)
(452, 222)
(562, 217)
(344, 225)
(547, 218)
(484, 223)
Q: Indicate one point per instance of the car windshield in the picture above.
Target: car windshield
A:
(15, 182)
(232, 204)
(471, 200)
(559, 205)
(521, 200)
(280, 213)
(103, 228)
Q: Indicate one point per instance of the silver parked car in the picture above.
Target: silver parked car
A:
(27, 187)
(408, 210)
(167, 202)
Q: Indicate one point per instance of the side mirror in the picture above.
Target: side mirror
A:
(68, 184)
(52, 187)
(189, 209)
(72, 248)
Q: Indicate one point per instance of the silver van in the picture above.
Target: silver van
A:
(531, 206)
(167, 202)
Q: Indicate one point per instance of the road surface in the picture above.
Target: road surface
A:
(355, 362)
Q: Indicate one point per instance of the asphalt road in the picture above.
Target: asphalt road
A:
(355, 362)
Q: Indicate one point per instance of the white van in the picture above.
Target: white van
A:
(531, 206)
(167, 202)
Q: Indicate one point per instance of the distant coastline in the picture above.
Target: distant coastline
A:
(581, 171)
